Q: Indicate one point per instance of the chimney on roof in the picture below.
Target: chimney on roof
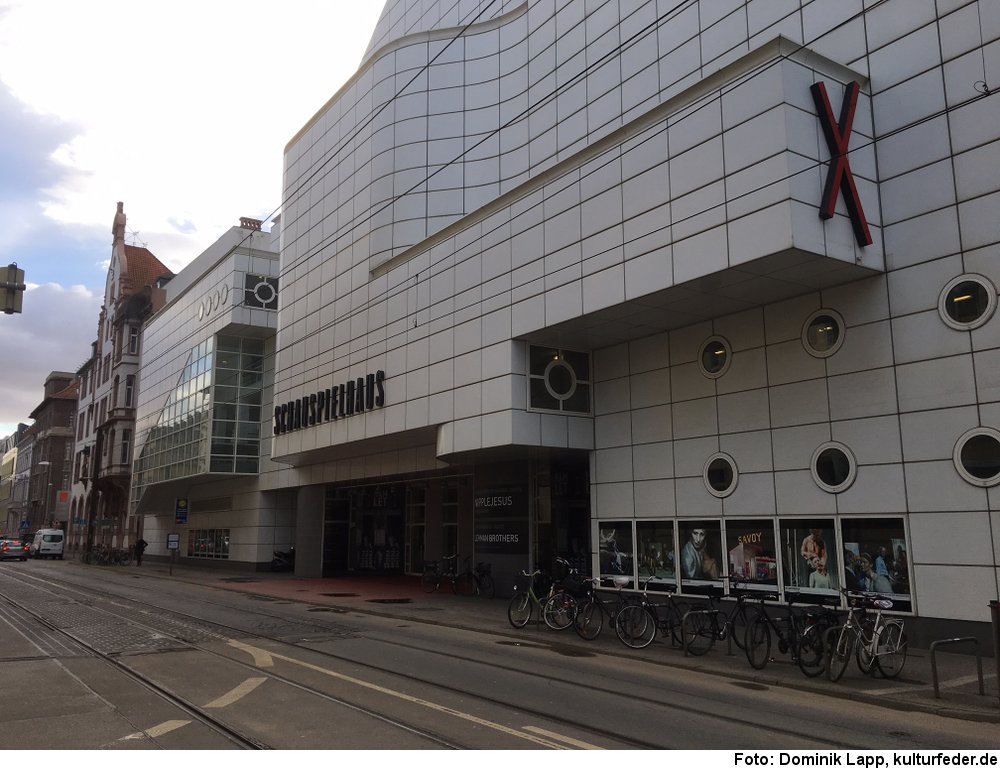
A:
(250, 224)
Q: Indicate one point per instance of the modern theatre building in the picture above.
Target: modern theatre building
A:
(667, 287)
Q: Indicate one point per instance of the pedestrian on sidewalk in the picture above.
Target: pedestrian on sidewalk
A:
(140, 546)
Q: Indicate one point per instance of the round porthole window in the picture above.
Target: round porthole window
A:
(721, 475)
(833, 467)
(977, 457)
(201, 311)
(225, 295)
(967, 302)
(716, 357)
(823, 333)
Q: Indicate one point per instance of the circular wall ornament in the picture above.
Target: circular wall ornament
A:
(265, 293)
(560, 379)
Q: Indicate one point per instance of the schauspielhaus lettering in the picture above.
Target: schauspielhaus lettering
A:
(334, 403)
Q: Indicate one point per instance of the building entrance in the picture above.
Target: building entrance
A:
(376, 528)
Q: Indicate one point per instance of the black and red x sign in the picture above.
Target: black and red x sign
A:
(838, 135)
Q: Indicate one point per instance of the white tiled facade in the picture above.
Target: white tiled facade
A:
(206, 301)
(631, 179)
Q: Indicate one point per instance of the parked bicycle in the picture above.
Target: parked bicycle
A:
(559, 610)
(434, 576)
(475, 581)
(800, 632)
(878, 644)
(534, 591)
(591, 612)
(701, 628)
(638, 623)
(105, 556)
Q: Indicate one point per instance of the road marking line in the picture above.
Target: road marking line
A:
(161, 729)
(237, 692)
(261, 658)
(564, 738)
(408, 698)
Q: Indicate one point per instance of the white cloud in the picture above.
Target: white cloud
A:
(180, 109)
(183, 108)
(53, 333)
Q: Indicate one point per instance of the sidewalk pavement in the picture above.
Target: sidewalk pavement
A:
(402, 597)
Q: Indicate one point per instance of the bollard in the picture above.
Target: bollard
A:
(995, 617)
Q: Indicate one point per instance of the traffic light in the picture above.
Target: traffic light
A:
(11, 288)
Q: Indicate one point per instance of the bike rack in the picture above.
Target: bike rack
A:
(956, 640)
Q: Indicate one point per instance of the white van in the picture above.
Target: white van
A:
(47, 542)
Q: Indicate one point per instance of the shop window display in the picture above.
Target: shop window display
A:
(656, 555)
(877, 559)
(615, 548)
(701, 552)
(750, 548)
(810, 562)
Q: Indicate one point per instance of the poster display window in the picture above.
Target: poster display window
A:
(616, 550)
(701, 553)
(655, 555)
(751, 553)
(876, 558)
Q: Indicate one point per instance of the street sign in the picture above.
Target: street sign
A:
(173, 541)
(181, 511)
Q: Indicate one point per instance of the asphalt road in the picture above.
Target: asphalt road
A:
(119, 660)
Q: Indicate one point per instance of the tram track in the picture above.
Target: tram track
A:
(589, 728)
(237, 737)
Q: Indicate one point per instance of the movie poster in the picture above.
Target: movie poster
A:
(655, 555)
(810, 562)
(615, 548)
(701, 552)
(751, 553)
(876, 559)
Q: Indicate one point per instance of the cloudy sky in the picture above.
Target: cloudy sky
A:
(179, 109)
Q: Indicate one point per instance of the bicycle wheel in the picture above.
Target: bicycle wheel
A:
(890, 646)
(698, 632)
(486, 587)
(464, 584)
(811, 657)
(430, 581)
(519, 610)
(758, 642)
(739, 621)
(842, 642)
(635, 627)
(866, 647)
(559, 611)
(126, 560)
(589, 620)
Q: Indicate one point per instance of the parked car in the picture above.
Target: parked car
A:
(13, 548)
(47, 542)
